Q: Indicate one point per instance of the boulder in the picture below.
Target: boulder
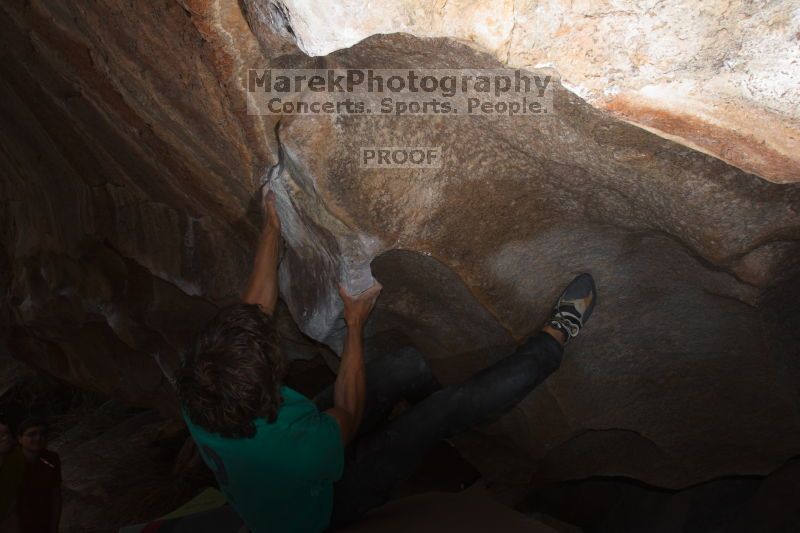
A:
(131, 170)
(720, 77)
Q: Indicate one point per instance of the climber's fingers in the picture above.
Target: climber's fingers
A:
(357, 308)
(271, 218)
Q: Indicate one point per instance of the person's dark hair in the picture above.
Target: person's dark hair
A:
(232, 372)
(30, 422)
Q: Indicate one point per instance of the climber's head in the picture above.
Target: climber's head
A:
(231, 374)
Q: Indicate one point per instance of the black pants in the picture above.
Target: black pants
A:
(385, 453)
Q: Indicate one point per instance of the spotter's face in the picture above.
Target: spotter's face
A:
(33, 439)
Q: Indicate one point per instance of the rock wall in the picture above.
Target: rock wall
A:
(721, 77)
(130, 171)
(127, 171)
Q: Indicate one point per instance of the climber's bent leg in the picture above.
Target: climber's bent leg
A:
(380, 460)
(403, 374)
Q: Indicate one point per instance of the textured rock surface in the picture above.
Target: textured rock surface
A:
(733, 505)
(121, 220)
(129, 168)
(518, 208)
(720, 76)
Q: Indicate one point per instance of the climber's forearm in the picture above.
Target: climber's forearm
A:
(350, 388)
(262, 287)
(349, 391)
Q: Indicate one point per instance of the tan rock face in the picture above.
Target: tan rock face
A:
(519, 207)
(721, 77)
(127, 169)
(130, 167)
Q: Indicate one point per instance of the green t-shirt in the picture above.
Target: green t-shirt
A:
(280, 480)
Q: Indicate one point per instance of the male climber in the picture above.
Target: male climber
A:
(289, 464)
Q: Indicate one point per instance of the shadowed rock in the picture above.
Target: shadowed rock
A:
(129, 177)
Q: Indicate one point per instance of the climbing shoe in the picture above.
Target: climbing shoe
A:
(574, 307)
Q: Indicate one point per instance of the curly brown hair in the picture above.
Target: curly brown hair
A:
(232, 372)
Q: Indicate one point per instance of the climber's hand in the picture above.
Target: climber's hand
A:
(262, 287)
(272, 222)
(358, 308)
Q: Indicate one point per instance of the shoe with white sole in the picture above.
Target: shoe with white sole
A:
(574, 307)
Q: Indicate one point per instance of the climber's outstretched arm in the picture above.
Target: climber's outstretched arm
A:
(262, 287)
(349, 391)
